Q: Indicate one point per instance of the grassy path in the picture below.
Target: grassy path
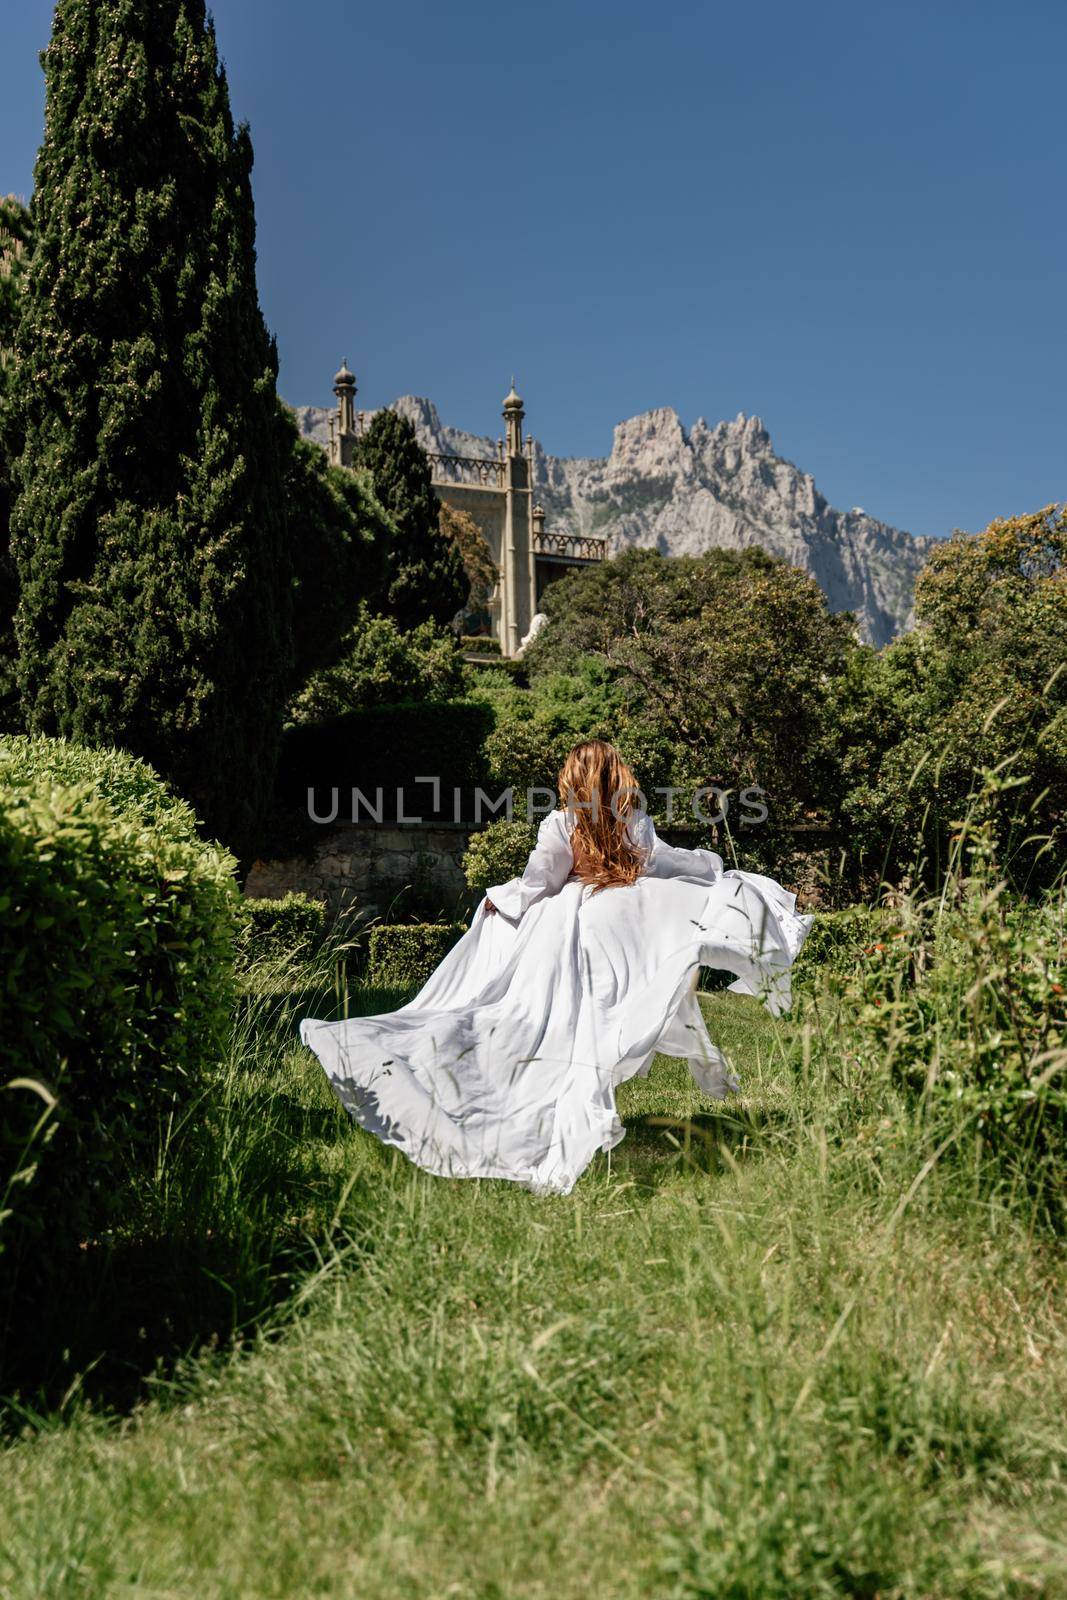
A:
(751, 1355)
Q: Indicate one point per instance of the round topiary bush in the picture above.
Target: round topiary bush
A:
(116, 943)
(497, 853)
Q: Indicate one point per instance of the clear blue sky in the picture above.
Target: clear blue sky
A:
(850, 219)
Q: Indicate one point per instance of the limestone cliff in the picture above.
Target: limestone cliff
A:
(707, 488)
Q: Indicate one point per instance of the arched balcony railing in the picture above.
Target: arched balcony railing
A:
(569, 546)
(485, 472)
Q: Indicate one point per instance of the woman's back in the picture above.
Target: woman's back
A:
(556, 859)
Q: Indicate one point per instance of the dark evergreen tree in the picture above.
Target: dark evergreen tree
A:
(339, 538)
(424, 580)
(149, 530)
(15, 238)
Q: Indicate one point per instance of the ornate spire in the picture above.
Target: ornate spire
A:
(513, 415)
(344, 387)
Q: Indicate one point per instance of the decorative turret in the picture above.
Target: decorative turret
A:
(497, 490)
(344, 387)
(514, 411)
(343, 442)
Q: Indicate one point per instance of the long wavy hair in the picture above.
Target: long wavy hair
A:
(599, 790)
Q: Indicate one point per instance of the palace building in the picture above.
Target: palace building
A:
(498, 493)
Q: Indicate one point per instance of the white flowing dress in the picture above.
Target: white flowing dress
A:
(505, 1063)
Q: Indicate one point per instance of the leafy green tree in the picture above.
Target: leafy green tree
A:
(380, 664)
(534, 728)
(725, 664)
(980, 684)
(425, 578)
(1000, 596)
(875, 706)
(15, 241)
(149, 534)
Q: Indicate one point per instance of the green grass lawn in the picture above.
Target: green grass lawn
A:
(765, 1349)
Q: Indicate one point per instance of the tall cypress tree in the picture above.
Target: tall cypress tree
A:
(425, 580)
(148, 533)
(15, 240)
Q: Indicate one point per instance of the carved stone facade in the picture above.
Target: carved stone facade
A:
(498, 493)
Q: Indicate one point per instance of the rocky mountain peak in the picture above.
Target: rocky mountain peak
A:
(424, 417)
(713, 487)
(653, 442)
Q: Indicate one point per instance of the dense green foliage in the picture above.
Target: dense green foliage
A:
(381, 663)
(148, 533)
(840, 941)
(534, 728)
(129, 785)
(964, 1003)
(498, 853)
(980, 684)
(274, 929)
(338, 537)
(16, 237)
(402, 955)
(425, 578)
(116, 928)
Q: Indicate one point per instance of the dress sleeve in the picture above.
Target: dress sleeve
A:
(550, 865)
(670, 861)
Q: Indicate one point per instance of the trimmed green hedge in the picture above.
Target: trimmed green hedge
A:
(403, 954)
(116, 947)
(388, 747)
(275, 928)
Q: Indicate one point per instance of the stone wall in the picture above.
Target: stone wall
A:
(370, 866)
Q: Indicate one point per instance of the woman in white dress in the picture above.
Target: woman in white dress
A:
(569, 980)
